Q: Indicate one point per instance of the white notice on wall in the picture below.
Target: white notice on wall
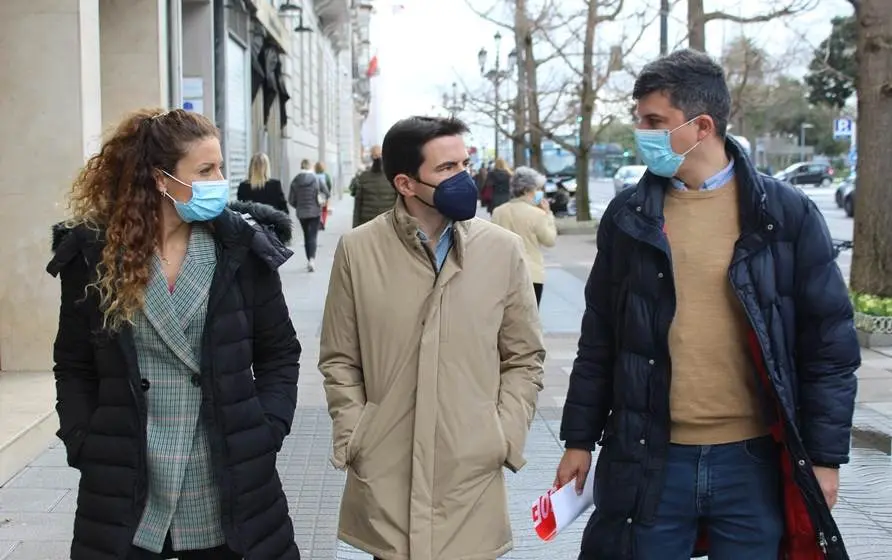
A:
(193, 88)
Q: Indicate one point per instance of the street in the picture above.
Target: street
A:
(601, 193)
(37, 505)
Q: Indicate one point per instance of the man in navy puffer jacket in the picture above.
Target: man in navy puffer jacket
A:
(716, 363)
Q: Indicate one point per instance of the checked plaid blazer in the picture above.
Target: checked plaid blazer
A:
(183, 495)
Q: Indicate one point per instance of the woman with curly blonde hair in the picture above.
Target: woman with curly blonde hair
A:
(176, 362)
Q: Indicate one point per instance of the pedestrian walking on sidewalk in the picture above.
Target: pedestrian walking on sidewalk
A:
(323, 176)
(528, 214)
(373, 192)
(307, 196)
(176, 362)
(432, 357)
(716, 363)
(497, 186)
(259, 187)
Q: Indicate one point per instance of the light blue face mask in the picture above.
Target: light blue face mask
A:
(209, 198)
(655, 150)
(537, 198)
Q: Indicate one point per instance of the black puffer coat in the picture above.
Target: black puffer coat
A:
(803, 342)
(249, 382)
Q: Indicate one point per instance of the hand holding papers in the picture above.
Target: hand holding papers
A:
(559, 507)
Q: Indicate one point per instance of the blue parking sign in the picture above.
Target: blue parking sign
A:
(843, 128)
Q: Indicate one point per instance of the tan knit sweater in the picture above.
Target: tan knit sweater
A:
(713, 397)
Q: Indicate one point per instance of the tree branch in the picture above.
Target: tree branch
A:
(612, 15)
(487, 16)
(794, 7)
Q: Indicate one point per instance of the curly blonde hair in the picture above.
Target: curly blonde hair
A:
(116, 193)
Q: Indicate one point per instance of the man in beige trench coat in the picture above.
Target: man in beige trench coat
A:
(432, 355)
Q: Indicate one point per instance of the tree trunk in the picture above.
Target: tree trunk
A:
(696, 26)
(520, 102)
(584, 145)
(872, 259)
(532, 89)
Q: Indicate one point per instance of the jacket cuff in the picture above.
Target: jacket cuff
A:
(515, 461)
(826, 465)
(583, 445)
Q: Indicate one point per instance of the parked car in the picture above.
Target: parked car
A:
(847, 185)
(808, 173)
(627, 176)
(848, 203)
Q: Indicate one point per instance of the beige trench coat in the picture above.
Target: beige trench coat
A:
(432, 381)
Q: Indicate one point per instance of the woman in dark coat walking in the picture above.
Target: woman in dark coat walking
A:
(497, 188)
(176, 362)
(259, 187)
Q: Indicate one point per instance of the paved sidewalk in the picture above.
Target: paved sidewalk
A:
(37, 506)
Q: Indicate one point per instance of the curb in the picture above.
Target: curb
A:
(570, 226)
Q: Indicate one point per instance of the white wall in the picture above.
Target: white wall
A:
(134, 58)
(49, 121)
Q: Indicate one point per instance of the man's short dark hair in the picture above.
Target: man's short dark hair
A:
(401, 149)
(694, 82)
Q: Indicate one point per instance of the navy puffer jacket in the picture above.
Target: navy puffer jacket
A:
(803, 342)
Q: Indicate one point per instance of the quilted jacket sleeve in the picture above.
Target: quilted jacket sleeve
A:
(276, 352)
(827, 347)
(591, 381)
(77, 387)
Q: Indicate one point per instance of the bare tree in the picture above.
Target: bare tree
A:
(521, 24)
(587, 86)
(698, 18)
(526, 107)
(749, 72)
(872, 259)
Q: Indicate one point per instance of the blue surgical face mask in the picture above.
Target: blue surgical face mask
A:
(655, 150)
(537, 198)
(456, 197)
(209, 198)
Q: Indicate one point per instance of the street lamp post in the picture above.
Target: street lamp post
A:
(496, 75)
(802, 128)
(456, 104)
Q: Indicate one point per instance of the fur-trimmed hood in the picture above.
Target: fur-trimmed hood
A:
(264, 229)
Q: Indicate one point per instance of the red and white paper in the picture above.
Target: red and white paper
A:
(558, 508)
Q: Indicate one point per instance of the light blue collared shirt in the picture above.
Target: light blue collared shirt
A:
(717, 181)
(443, 244)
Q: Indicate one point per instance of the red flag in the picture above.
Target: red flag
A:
(373, 67)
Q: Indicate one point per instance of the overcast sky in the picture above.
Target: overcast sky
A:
(428, 44)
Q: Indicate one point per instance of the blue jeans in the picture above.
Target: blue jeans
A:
(731, 490)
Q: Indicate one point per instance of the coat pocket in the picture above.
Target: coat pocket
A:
(74, 444)
(503, 446)
(354, 444)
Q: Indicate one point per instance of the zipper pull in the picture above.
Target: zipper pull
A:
(822, 542)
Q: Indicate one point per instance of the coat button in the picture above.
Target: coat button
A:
(769, 227)
(638, 209)
(651, 362)
(801, 462)
(659, 275)
(144, 384)
(629, 520)
(641, 441)
(196, 380)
